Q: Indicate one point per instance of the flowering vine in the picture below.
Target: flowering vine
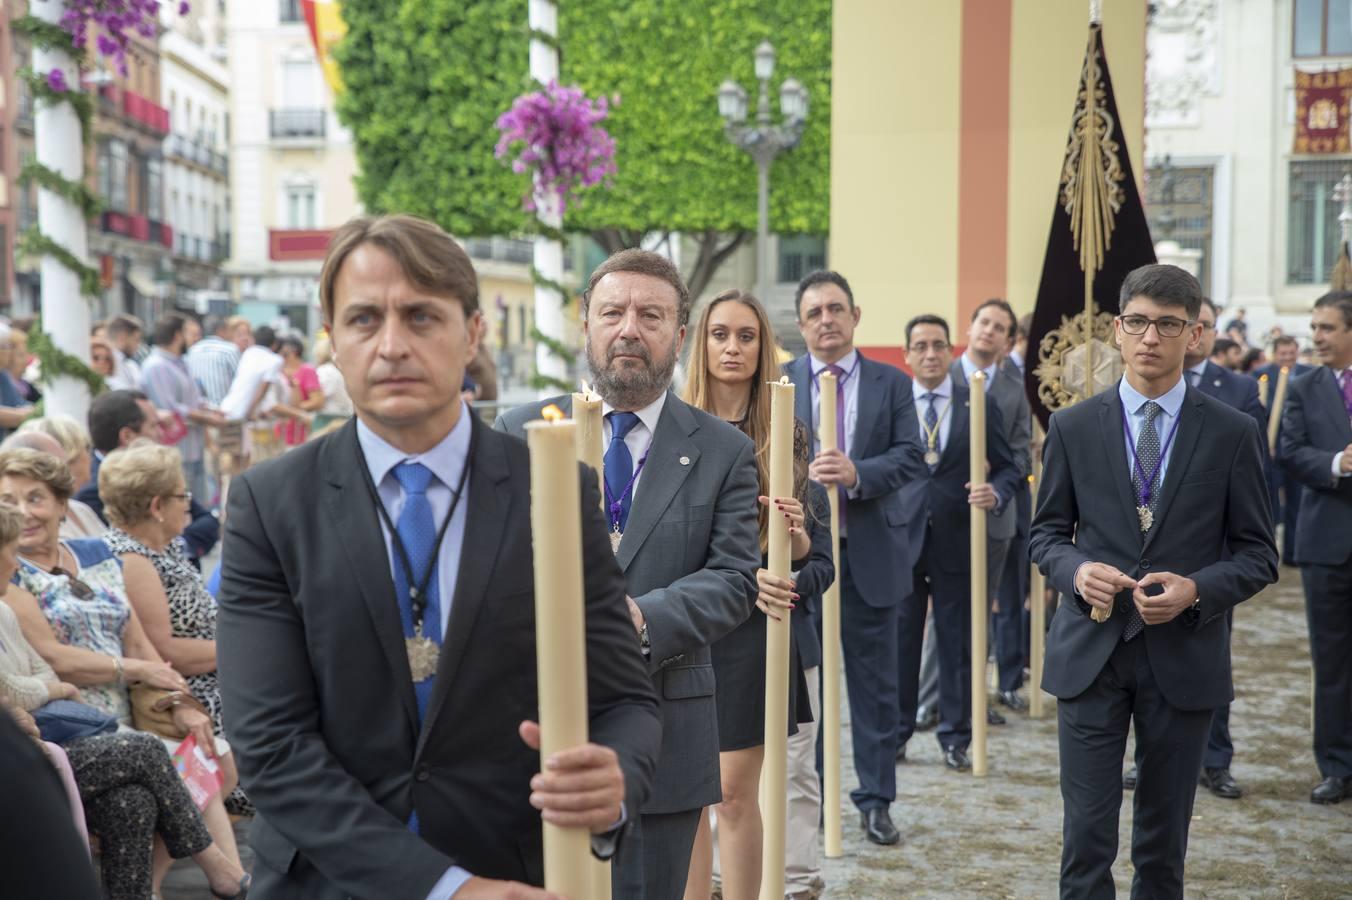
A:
(557, 136)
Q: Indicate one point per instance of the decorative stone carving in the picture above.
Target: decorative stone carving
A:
(1182, 61)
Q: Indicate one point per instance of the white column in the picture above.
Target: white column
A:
(544, 68)
(65, 311)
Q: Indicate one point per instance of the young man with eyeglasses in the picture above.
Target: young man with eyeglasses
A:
(1152, 521)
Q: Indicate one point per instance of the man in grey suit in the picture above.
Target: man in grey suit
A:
(680, 488)
(377, 625)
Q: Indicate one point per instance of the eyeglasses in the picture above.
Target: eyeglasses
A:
(1166, 326)
(81, 590)
(186, 496)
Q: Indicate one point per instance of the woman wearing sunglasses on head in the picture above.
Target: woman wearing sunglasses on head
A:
(71, 601)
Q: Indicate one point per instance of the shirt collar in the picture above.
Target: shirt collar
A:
(943, 390)
(648, 415)
(1171, 402)
(1200, 368)
(846, 362)
(446, 460)
(969, 366)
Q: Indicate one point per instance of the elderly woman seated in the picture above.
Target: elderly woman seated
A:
(125, 781)
(63, 437)
(145, 497)
(71, 602)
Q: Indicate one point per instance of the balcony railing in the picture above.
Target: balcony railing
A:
(138, 228)
(297, 123)
(198, 153)
(145, 111)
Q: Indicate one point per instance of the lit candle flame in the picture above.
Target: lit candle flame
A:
(783, 379)
(588, 394)
(551, 413)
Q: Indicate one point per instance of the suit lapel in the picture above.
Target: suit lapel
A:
(357, 527)
(1326, 387)
(670, 460)
(1191, 418)
(958, 422)
(959, 375)
(1114, 446)
(487, 510)
(868, 403)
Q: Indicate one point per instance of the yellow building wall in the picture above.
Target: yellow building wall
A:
(896, 135)
(894, 159)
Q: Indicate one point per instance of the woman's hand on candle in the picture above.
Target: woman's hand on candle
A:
(581, 787)
(982, 496)
(833, 468)
(789, 507)
(775, 593)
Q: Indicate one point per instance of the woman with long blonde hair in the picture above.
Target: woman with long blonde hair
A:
(733, 356)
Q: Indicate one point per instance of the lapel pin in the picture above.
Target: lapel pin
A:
(685, 460)
(1217, 382)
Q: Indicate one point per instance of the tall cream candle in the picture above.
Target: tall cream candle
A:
(1262, 389)
(591, 451)
(831, 662)
(560, 628)
(773, 787)
(591, 445)
(980, 600)
(1275, 414)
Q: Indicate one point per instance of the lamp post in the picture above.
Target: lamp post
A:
(764, 141)
(1342, 194)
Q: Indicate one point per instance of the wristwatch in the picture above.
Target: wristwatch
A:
(643, 643)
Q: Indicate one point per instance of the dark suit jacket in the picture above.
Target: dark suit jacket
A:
(319, 700)
(939, 499)
(1238, 392)
(200, 535)
(1213, 525)
(690, 553)
(1314, 428)
(887, 453)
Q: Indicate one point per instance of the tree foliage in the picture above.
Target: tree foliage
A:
(425, 80)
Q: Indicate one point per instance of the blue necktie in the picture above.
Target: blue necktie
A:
(619, 465)
(418, 532)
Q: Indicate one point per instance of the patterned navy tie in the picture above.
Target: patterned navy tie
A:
(1148, 457)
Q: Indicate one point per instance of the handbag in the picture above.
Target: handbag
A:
(64, 721)
(152, 709)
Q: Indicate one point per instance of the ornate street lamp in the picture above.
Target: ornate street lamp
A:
(764, 141)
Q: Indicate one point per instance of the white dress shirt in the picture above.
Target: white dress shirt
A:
(850, 363)
(943, 408)
(1198, 370)
(446, 460)
(969, 366)
(639, 440)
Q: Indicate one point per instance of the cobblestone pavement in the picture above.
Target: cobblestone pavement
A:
(999, 836)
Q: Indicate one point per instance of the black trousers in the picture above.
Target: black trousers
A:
(654, 860)
(1092, 733)
(1220, 749)
(868, 638)
(1328, 609)
(951, 596)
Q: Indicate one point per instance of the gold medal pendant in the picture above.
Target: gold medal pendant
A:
(1146, 516)
(615, 537)
(931, 457)
(423, 655)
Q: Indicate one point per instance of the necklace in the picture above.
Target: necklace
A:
(932, 434)
(1143, 511)
(615, 505)
(423, 652)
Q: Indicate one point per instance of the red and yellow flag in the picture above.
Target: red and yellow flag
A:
(327, 28)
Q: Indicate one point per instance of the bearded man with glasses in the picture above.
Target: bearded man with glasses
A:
(1153, 522)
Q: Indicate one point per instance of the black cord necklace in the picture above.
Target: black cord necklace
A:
(423, 654)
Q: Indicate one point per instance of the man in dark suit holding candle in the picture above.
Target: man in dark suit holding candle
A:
(681, 489)
(1316, 449)
(377, 621)
(941, 508)
(1283, 491)
(1153, 513)
(878, 451)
